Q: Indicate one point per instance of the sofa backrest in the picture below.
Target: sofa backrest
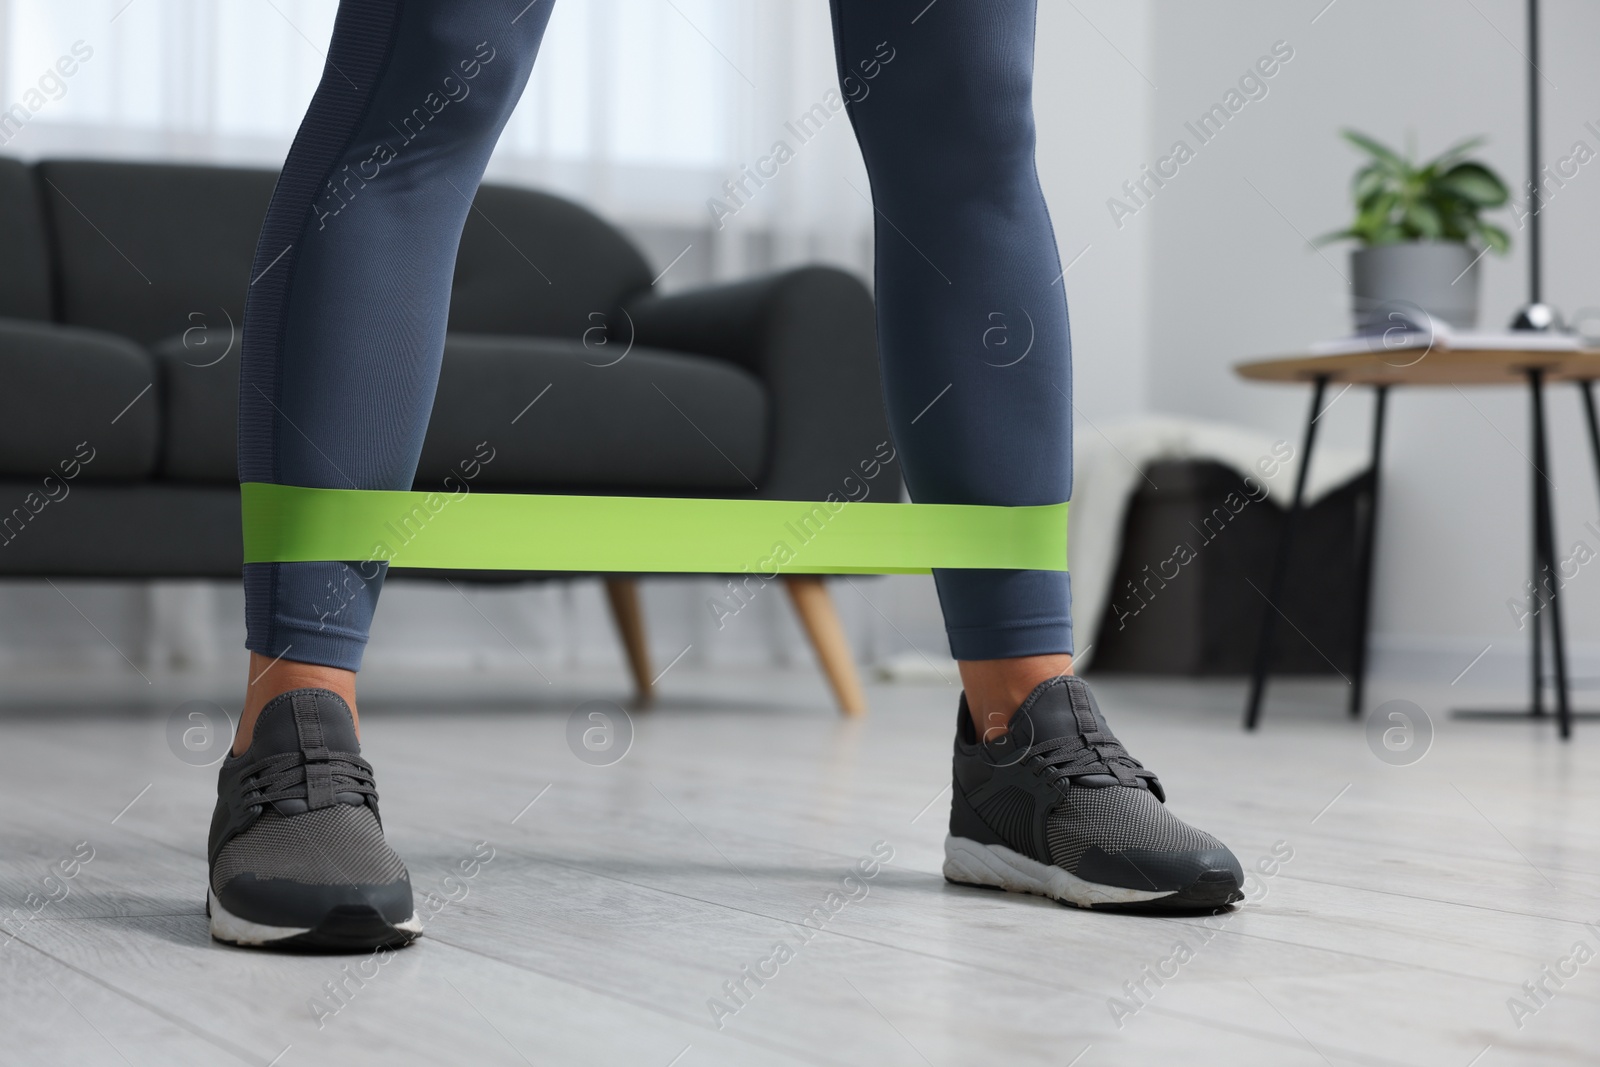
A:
(139, 248)
(148, 250)
(24, 254)
(538, 265)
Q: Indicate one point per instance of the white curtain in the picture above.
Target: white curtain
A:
(643, 109)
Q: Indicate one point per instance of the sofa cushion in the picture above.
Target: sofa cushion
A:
(25, 267)
(77, 401)
(650, 420)
(199, 371)
(150, 530)
(550, 413)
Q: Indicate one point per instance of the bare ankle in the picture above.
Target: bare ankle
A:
(271, 677)
(995, 687)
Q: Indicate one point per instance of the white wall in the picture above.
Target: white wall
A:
(1232, 276)
(1092, 103)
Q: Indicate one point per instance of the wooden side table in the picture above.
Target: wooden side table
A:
(1433, 364)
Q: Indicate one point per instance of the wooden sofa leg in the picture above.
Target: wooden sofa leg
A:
(623, 594)
(814, 605)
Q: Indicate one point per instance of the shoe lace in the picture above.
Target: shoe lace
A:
(1089, 750)
(286, 776)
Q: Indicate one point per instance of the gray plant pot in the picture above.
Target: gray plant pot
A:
(1393, 284)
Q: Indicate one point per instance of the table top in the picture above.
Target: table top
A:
(1435, 364)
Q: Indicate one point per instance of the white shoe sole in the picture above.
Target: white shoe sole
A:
(970, 863)
(228, 927)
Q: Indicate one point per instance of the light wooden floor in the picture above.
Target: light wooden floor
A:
(1417, 902)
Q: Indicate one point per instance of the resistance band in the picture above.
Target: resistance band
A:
(536, 532)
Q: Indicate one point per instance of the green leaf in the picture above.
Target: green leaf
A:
(1369, 182)
(1441, 199)
(1455, 152)
(1498, 240)
(1377, 216)
(1475, 183)
(1421, 220)
(1380, 152)
(1458, 226)
(1381, 197)
(1381, 203)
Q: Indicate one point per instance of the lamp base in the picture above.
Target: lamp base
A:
(1538, 318)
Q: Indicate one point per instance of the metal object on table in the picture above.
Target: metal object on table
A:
(1435, 364)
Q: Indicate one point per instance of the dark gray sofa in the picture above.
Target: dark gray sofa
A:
(122, 288)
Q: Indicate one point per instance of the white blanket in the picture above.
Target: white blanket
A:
(1109, 463)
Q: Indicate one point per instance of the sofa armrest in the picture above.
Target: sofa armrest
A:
(809, 335)
(78, 400)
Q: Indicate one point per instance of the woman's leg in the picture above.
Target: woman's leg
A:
(343, 337)
(345, 319)
(972, 315)
(972, 326)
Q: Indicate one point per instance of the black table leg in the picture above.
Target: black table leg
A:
(1280, 567)
(1368, 550)
(1586, 389)
(1536, 597)
(1544, 593)
(1544, 527)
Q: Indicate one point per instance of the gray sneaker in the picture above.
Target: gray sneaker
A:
(297, 853)
(1058, 808)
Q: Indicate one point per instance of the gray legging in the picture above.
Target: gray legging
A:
(344, 326)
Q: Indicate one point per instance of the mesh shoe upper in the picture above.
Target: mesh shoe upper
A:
(339, 845)
(1117, 821)
(1059, 788)
(296, 834)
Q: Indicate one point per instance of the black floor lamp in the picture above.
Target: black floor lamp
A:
(1535, 314)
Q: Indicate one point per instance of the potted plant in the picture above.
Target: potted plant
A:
(1421, 234)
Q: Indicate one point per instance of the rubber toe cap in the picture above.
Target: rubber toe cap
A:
(283, 902)
(1139, 868)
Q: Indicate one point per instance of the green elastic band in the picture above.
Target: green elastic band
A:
(516, 531)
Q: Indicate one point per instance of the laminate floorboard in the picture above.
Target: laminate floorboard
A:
(622, 898)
